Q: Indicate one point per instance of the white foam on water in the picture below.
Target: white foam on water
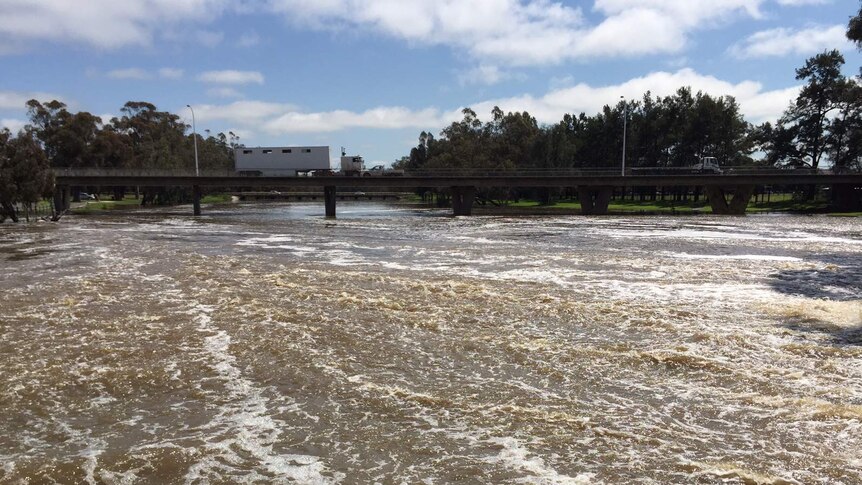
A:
(92, 448)
(707, 235)
(744, 257)
(266, 240)
(514, 455)
(250, 426)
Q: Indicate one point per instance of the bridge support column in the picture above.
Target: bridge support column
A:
(594, 200)
(196, 195)
(741, 194)
(462, 200)
(329, 196)
(62, 194)
(846, 198)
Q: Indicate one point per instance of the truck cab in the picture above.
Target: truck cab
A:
(352, 165)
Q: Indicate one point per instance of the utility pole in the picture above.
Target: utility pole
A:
(625, 121)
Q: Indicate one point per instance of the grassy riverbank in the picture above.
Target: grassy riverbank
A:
(130, 202)
(776, 203)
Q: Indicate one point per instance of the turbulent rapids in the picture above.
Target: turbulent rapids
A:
(264, 343)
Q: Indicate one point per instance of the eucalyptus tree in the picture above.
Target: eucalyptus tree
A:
(66, 137)
(854, 28)
(810, 116)
(25, 173)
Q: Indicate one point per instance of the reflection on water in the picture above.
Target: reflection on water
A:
(265, 343)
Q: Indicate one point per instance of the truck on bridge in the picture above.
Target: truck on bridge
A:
(280, 161)
(301, 161)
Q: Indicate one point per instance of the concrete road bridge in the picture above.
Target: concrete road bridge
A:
(728, 193)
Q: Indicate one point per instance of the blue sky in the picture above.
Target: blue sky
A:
(371, 74)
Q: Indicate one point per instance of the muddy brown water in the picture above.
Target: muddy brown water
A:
(264, 343)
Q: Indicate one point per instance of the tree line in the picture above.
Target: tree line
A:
(142, 137)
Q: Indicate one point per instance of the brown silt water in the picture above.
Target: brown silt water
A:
(266, 344)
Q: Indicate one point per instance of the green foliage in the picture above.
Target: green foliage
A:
(824, 121)
(854, 28)
(674, 131)
(141, 138)
(25, 175)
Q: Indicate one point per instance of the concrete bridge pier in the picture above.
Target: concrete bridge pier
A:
(594, 200)
(197, 199)
(329, 199)
(62, 198)
(462, 200)
(846, 198)
(740, 196)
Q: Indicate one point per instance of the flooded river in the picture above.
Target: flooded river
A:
(264, 343)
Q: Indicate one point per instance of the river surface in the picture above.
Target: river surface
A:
(264, 343)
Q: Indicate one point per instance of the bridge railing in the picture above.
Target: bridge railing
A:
(449, 172)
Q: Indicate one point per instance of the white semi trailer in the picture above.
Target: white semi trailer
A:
(280, 161)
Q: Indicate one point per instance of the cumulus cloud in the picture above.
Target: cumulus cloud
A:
(244, 113)
(496, 32)
(129, 73)
(16, 100)
(783, 42)
(13, 125)
(797, 3)
(757, 105)
(171, 73)
(249, 39)
(384, 117)
(484, 74)
(224, 92)
(104, 24)
(231, 77)
(527, 32)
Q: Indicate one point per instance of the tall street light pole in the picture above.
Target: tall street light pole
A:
(195, 137)
(625, 121)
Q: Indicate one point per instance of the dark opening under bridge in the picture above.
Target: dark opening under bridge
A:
(727, 193)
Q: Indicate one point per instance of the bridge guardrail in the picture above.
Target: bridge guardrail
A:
(524, 172)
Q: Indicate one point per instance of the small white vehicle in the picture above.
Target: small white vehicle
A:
(707, 165)
(381, 171)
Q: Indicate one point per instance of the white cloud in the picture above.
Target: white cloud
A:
(224, 92)
(129, 73)
(17, 100)
(244, 113)
(138, 73)
(249, 39)
(105, 24)
(484, 74)
(783, 42)
(797, 3)
(384, 117)
(13, 125)
(171, 73)
(208, 38)
(498, 32)
(106, 117)
(756, 104)
(526, 32)
(231, 77)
